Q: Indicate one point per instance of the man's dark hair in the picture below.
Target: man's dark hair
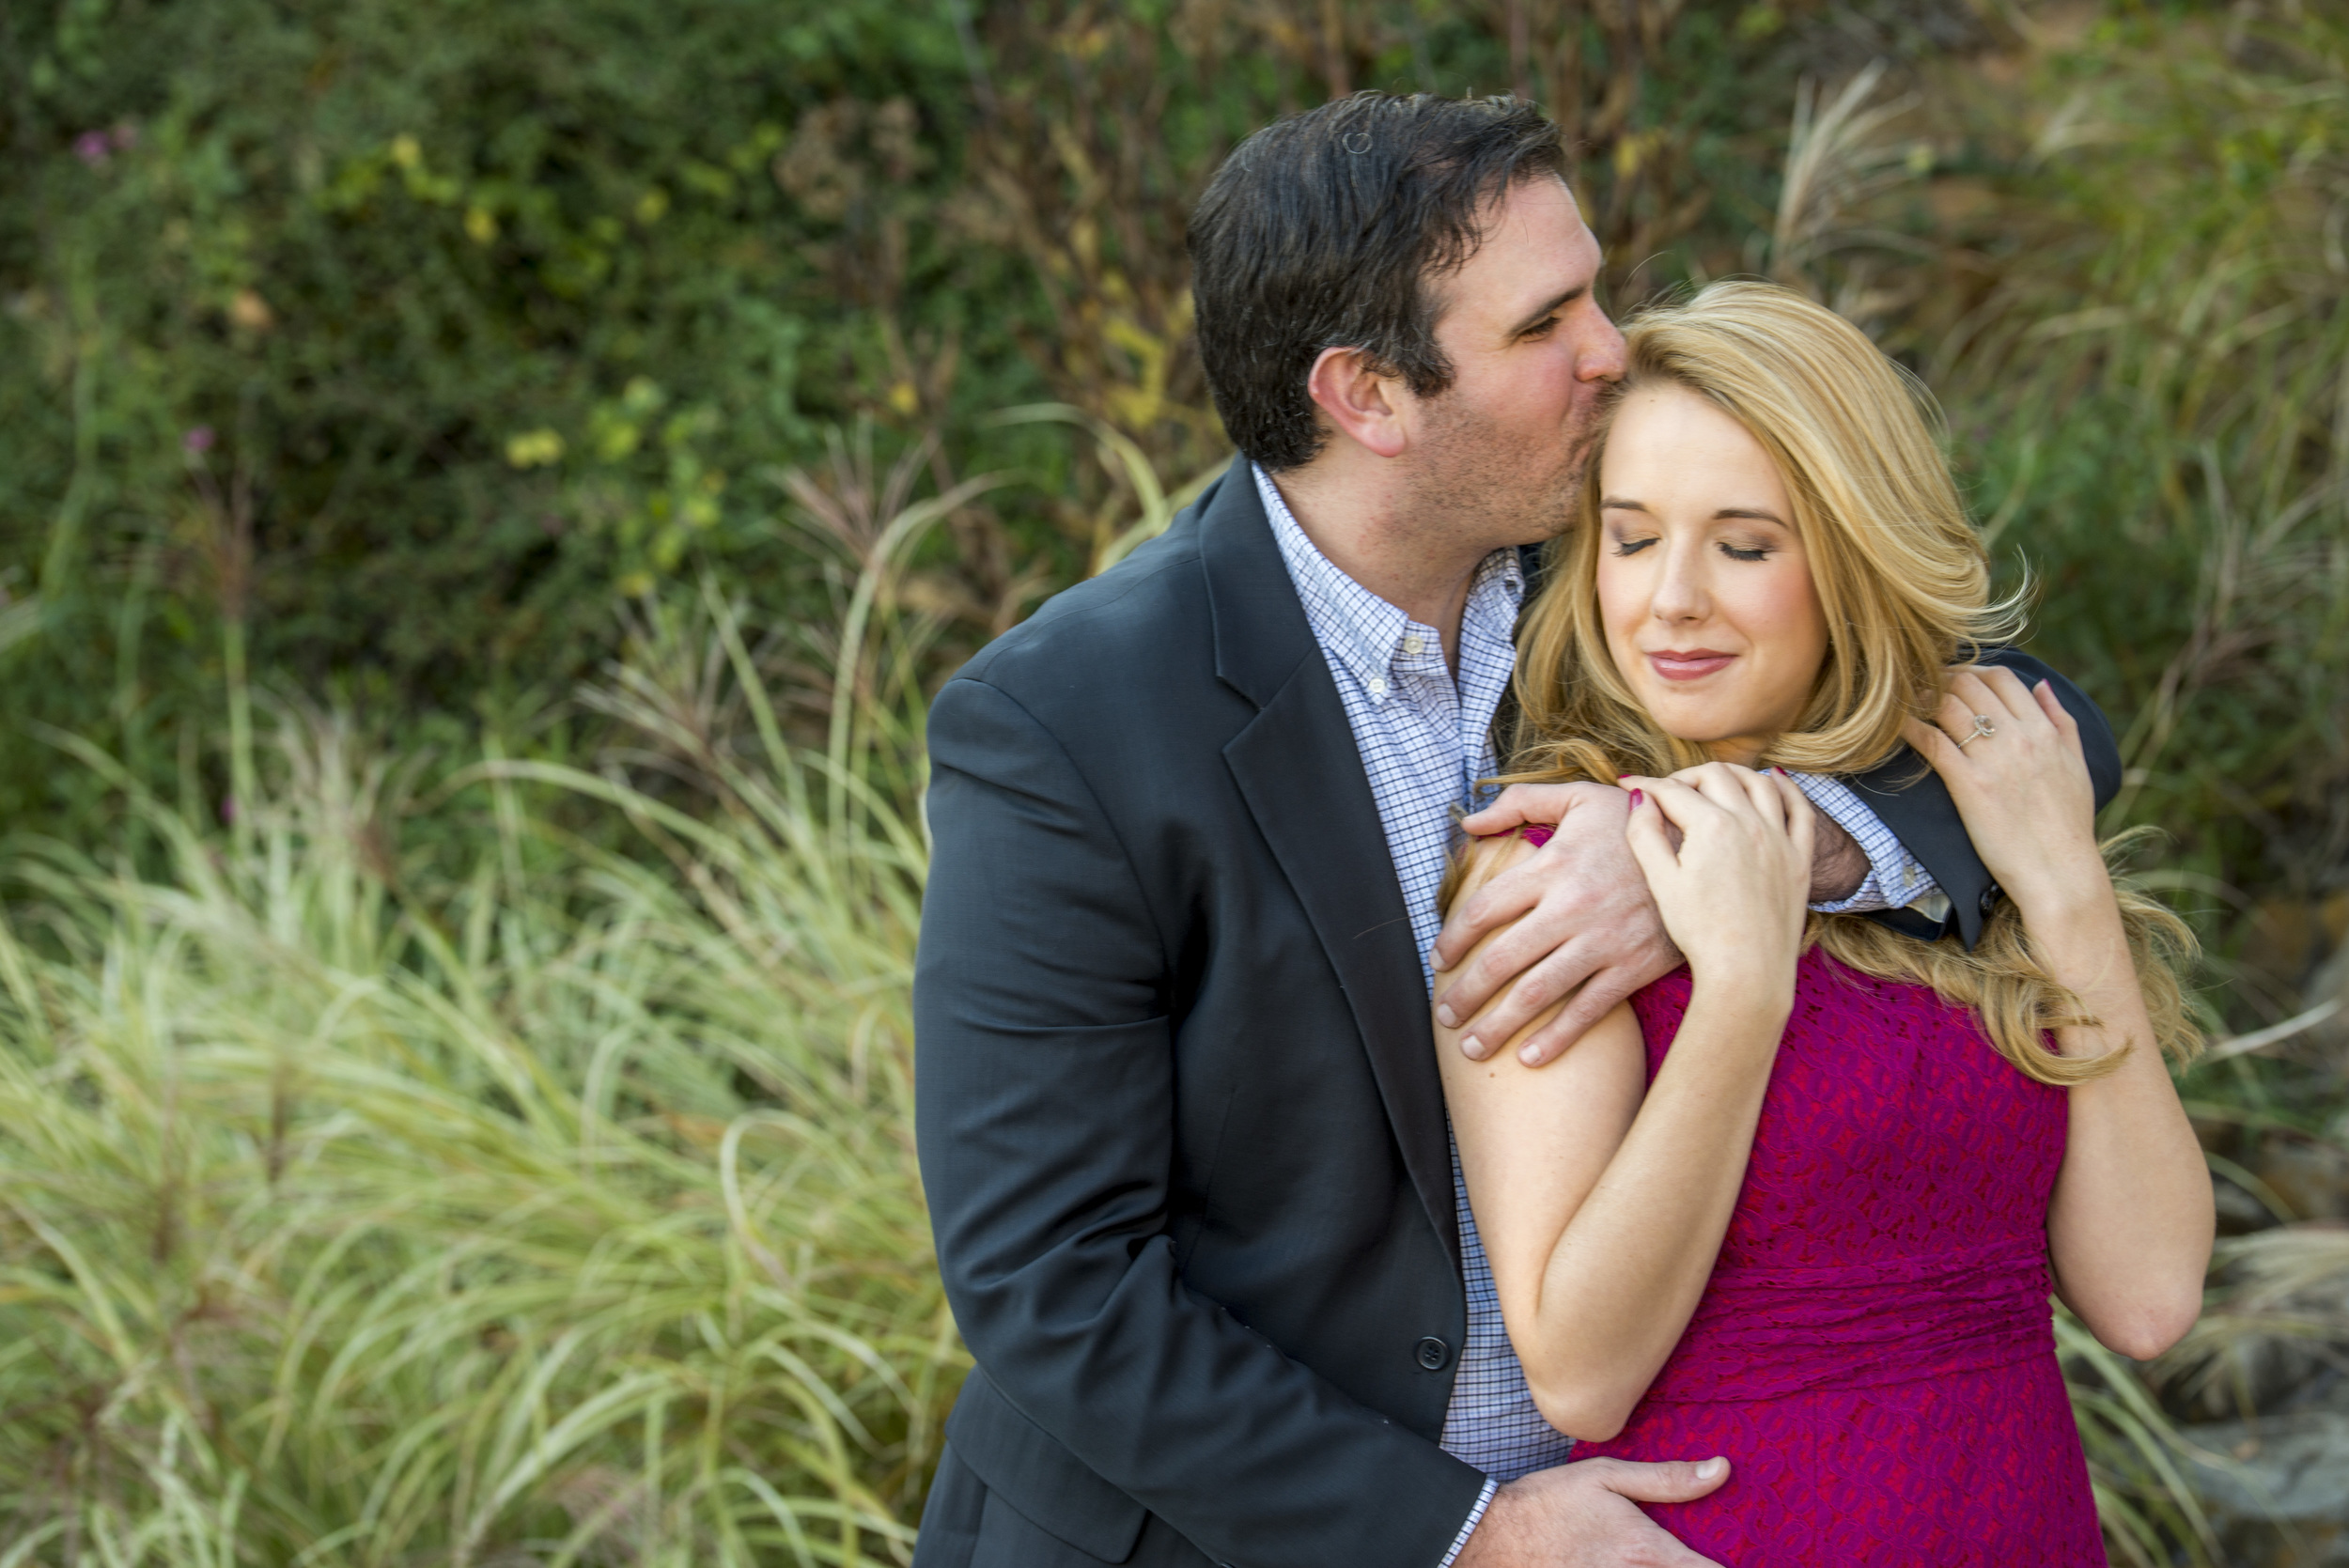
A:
(1324, 230)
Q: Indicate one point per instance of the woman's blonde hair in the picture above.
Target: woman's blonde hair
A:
(1905, 583)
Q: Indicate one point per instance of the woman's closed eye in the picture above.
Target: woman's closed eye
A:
(1746, 553)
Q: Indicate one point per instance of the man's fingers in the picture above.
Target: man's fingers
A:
(1521, 804)
(1509, 895)
(1671, 1480)
(1598, 998)
(1498, 911)
(1523, 998)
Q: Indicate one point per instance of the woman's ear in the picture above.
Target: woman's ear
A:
(1364, 403)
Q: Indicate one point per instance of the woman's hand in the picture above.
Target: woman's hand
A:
(1732, 890)
(2020, 783)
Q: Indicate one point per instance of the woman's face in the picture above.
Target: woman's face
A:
(1702, 584)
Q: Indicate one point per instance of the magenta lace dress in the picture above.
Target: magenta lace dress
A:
(1874, 1352)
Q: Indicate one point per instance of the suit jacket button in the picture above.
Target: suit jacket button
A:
(1433, 1353)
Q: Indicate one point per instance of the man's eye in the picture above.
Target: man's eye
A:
(1544, 329)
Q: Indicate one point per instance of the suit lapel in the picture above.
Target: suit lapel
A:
(1300, 771)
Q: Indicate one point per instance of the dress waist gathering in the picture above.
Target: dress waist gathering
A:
(1765, 1333)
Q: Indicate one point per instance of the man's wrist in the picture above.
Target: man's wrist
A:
(1463, 1554)
(1838, 864)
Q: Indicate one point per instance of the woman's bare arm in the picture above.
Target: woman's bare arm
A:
(2130, 1226)
(1602, 1209)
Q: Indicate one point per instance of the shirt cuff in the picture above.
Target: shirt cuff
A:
(1894, 879)
(1476, 1517)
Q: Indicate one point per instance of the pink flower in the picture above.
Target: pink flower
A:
(94, 148)
(196, 438)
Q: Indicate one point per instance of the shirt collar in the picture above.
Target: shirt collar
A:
(1363, 631)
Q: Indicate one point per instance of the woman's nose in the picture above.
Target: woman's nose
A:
(1679, 592)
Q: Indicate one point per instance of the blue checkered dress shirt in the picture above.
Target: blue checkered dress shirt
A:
(1425, 739)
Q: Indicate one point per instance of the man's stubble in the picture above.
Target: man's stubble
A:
(1476, 481)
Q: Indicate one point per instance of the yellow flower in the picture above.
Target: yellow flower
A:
(538, 448)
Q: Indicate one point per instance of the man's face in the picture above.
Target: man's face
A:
(1500, 452)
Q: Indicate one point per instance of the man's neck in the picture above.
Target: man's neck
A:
(1369, 537)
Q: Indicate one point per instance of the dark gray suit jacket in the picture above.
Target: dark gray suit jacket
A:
(1179, 1119)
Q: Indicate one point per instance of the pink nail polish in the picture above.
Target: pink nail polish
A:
(1637, 797)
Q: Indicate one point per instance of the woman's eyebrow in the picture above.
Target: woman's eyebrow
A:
(1754, 512)
(1620, 503)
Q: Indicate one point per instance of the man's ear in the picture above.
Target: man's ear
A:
(1364, 404)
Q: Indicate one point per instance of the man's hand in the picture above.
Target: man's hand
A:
(1583, 918)
(1586, 1515)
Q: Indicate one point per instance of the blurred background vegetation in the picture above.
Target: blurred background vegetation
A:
(485, 488)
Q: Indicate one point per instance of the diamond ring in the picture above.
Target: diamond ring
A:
(1983, 726)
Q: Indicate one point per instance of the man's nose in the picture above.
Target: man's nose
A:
(1604, 356)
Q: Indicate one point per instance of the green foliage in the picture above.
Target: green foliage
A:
(560, 1210)
(412, 336)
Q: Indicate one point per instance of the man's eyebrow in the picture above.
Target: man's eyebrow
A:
(1529, 322)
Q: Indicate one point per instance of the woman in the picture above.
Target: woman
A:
(1772, 570)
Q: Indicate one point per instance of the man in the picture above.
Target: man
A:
(1180, 1117)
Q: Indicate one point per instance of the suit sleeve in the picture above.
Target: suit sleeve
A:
(1046, 1127)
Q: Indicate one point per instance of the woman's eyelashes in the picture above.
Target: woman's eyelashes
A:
(1736, 550)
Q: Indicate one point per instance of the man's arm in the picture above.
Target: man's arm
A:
(1046, 1124)
(1580, 932)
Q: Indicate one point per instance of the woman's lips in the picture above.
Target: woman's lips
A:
(1690, 664)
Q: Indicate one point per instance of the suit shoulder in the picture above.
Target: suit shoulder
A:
(1145, 615)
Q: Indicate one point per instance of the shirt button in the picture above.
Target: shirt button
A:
(1989, 898)
(1377, 687)
(1413, 644)
(1432, 1352)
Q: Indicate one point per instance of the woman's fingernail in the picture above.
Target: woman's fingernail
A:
(1637, 796)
